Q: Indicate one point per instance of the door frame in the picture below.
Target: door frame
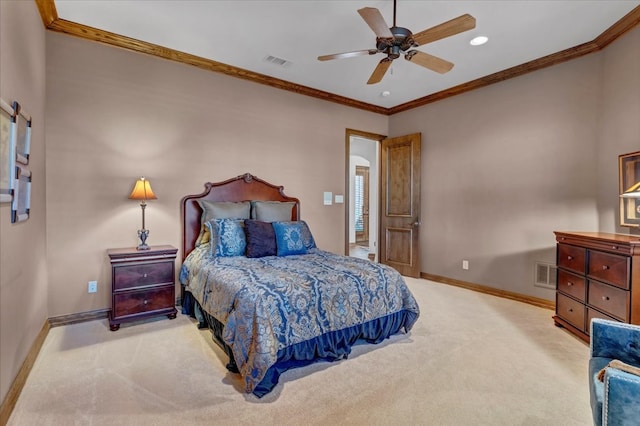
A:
(377, 138)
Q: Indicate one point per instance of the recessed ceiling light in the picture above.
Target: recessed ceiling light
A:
(385, 93)
(479, 41)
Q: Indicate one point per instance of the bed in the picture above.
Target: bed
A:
(252, 273)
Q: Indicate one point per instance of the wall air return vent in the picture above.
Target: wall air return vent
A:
(545, 275)
(277, 61)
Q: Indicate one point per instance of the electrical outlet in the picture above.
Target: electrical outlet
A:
(465, 264)
(92, 287)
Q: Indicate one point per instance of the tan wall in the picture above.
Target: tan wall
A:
(505, 166)
(114, 115)
(620, 130)
(23, 273)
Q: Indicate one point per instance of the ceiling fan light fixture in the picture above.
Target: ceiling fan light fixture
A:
(396, 41)
(479, 41)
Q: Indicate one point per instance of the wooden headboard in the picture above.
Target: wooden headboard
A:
(245, 187)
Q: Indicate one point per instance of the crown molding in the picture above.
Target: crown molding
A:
(52, 22)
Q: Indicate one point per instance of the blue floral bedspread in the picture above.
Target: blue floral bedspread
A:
(272, 303)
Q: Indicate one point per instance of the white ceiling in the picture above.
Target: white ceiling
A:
(243, 33)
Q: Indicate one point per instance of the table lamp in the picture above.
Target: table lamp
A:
(142, 191)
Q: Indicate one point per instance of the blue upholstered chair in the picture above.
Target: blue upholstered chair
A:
(616, 401)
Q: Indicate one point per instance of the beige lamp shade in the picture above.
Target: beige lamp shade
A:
(142, 191)
(632, 192)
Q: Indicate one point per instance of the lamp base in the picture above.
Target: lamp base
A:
(143, 234)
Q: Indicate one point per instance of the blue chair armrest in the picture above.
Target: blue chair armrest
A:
(621, 398)
(615, 340)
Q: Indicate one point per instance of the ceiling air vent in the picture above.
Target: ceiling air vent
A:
(277, 61)
(545, 275)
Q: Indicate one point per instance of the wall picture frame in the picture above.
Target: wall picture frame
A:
(7, 151)
(21, 204)
(629, 168)
(23, 133)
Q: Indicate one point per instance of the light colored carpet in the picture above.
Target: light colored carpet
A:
(471, 359)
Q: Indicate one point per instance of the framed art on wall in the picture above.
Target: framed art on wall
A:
(23, 133)
(7, 153)
(21, 205)
(629, 167)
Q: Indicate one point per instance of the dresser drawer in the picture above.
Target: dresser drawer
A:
(610, 268)
(144, 274)
(609, 299)
(593, 313)
(573, 285)
(570, 310)
(572, 258)
(135, 302)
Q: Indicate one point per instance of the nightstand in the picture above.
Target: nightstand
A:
(142, 284)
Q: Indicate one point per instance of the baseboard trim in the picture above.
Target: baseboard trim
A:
(536, 301)
(79, 317)
(11, 398)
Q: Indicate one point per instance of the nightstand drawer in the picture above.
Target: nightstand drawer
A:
(572, 257)
(140, 275)
(610, 268)
(610, 300)
(573, 285)
(135, 302)
(570, 310)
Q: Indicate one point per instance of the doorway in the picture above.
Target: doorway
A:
(363, 153)
(361, 205)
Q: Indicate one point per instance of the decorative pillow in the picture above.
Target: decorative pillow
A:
(220, 210)
(227, 237)
(272, 211)
(293, 238)
(261, 238)
(307, 237)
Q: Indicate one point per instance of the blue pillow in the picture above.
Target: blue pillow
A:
(227, 237)
(293, 238)
(261, 238)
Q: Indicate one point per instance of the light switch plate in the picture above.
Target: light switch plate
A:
(328, 198)
(339, 199)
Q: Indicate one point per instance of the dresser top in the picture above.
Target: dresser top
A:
(614, 243)
(603, 236)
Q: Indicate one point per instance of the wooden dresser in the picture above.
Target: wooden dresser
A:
(598, 277)
(142, 284)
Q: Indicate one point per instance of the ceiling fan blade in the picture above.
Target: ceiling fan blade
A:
(446, 29)
(380, 71)
(374, 19)
(429, 61)
(347, 54)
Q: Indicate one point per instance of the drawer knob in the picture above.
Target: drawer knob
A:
(615, 247)
(144, 276)
(570, 310)
(569, 283)
(145, 302)
(605, 267)
(569, 257)
(605, 298)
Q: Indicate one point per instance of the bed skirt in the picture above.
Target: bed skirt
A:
(328, 347)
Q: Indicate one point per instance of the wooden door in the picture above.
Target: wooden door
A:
(362, 204)
(400, 204)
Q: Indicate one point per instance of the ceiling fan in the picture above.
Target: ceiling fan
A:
(396, 40)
